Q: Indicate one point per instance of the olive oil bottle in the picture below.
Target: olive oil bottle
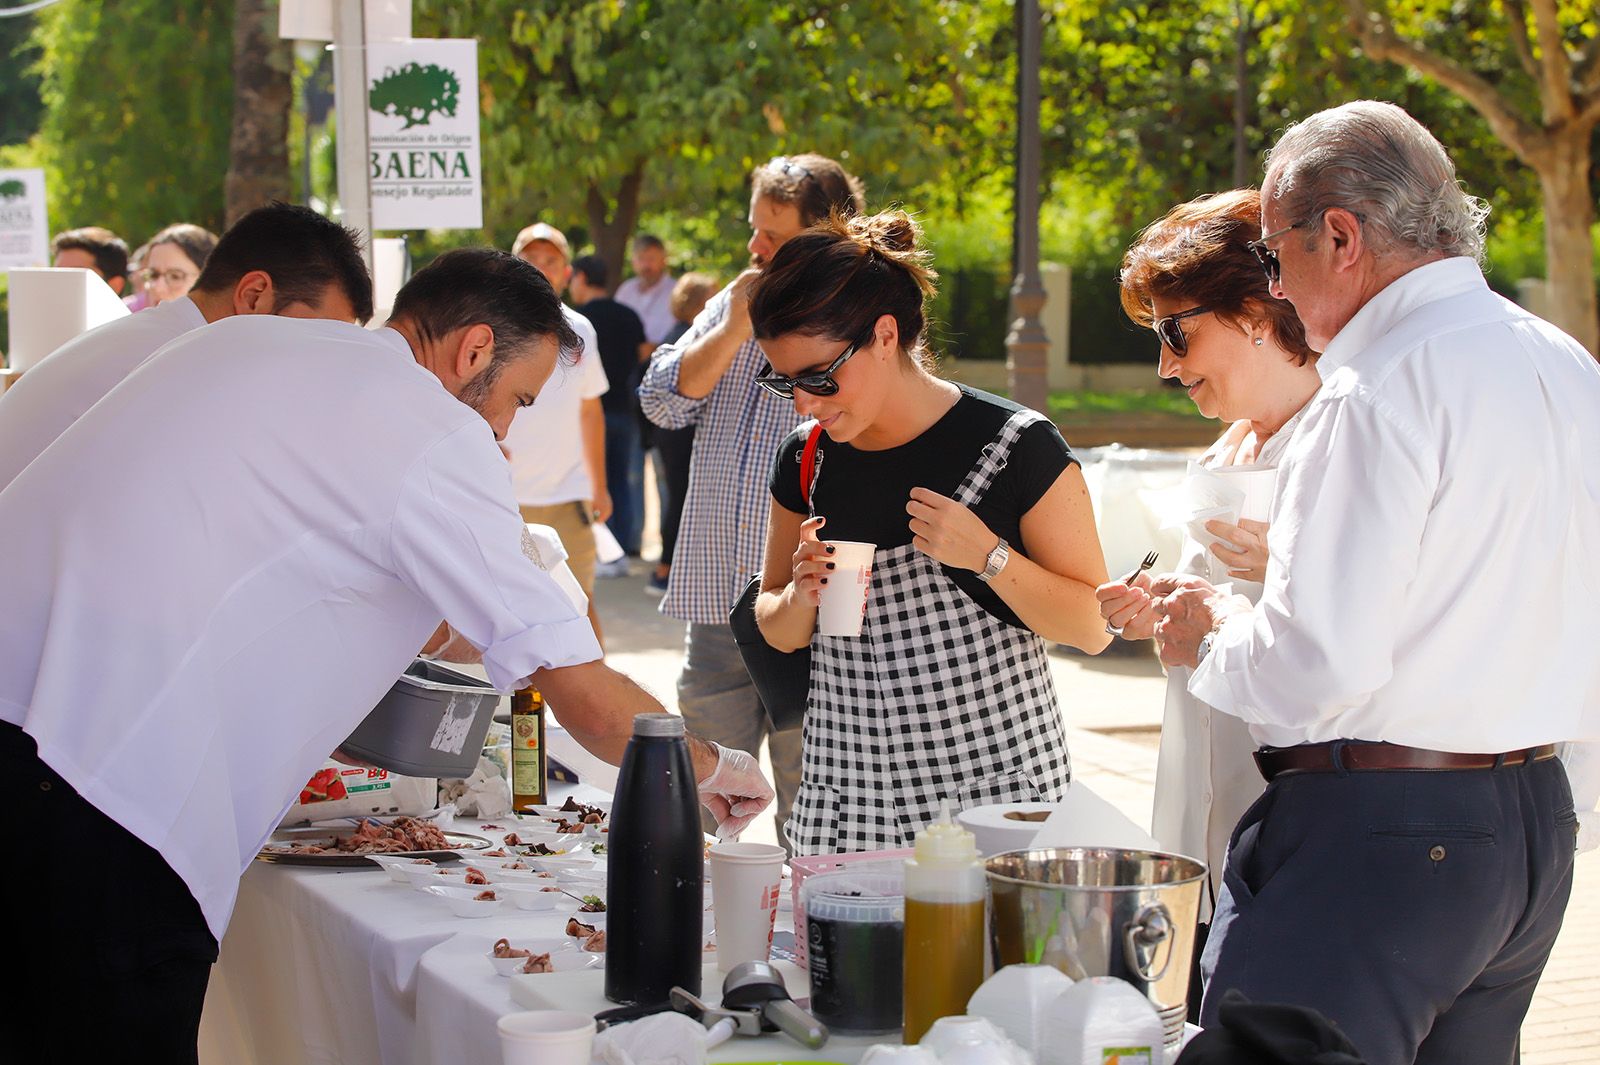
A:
(527, 750)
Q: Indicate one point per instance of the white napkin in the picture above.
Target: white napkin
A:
(660, 1039)
(484, 794)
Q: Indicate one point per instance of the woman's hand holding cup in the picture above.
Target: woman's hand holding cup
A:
(812, 563)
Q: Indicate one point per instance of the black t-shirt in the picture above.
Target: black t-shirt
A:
(863, 494)
(620, 333)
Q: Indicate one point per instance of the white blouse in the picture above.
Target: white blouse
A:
(216, 573)
(1205, 775)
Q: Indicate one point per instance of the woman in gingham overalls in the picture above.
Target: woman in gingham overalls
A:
(986, 548)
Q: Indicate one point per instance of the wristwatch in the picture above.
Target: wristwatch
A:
(995, 562)
(1204, 647)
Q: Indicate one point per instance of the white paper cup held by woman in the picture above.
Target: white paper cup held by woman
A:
(844, 598)
(745, 880)
(546, 1037)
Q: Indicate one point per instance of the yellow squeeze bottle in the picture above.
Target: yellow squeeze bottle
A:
(945, 893)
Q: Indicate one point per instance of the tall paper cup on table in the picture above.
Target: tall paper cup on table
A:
(844, 597)
(745, 878)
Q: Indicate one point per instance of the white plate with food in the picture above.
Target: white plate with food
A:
(402, 837)
(469, 902)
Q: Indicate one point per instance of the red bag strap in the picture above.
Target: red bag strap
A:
(808, 461)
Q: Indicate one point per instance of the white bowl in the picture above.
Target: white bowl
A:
(395, 867)
(596, 919)
(947, 1033)
(561, 866)
(464, 903)
(422, 877)
(562, 962)
(526, 897)
(551, 945)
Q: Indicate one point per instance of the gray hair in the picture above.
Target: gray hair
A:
(1376, 161)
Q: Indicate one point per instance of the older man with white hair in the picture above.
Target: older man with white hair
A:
(1422, 652)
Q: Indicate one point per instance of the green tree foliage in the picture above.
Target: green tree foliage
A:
(137, 99)
(20, 106)
(596, 110)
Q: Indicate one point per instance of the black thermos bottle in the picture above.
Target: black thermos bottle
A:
(656, 869)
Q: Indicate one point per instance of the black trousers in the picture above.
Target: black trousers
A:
(675, 445)
(1414, 909)
(112, 951)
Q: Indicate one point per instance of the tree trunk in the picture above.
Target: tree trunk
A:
(610, 231)
(258, 164)
(1569, 254)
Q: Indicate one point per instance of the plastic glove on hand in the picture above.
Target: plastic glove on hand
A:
(735, 792)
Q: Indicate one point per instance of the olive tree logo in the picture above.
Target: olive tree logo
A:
(416, 93)
(12, 189)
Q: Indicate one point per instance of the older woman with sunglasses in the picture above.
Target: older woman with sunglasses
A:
(1197, 277)
(986, 547)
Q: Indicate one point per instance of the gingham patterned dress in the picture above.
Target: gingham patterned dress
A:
(937, 698)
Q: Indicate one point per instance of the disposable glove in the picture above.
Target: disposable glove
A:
(735, 792)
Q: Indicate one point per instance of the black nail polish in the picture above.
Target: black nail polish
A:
(830, 549)
(830, 565)
(824, 580)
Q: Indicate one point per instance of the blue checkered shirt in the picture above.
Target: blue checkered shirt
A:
(723, 537)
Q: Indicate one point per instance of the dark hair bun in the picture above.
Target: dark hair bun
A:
(895, 236)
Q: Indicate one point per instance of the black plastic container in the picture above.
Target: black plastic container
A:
(655, 874)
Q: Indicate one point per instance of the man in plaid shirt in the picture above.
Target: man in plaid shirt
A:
(707, 379)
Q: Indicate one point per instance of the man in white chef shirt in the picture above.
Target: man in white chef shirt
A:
(1423, 648)
(291, 521)
(279, 259)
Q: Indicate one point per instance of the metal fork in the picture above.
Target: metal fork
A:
(1148, 561)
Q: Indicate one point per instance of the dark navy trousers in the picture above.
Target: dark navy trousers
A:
(1416, 909)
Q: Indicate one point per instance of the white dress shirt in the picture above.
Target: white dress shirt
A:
(74, 377)
(653, 305)
(548, 464)
(266, 522)
(1434, 539)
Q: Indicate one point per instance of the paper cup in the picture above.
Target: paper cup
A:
(745, 879)
(844, 597)
(546, 1037)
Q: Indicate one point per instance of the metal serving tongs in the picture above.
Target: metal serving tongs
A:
(755, 1000)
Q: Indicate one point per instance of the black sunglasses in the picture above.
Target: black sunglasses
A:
(820, 383)
(1171, 335)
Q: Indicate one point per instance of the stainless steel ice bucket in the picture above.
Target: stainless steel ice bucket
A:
(1100, 911)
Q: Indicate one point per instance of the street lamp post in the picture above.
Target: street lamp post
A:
(1027, 345)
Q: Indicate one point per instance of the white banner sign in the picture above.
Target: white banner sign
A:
(423, 135)
(24, 230)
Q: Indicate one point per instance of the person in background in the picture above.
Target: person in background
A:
(1420, 670)
(1242, 356)
(986, 548)
(139, 298)
(670, 449)
(173, 260)
(648, 293)
(557, 446)
(707, 379)
(623, 350)
(280, 259)
(93, 248)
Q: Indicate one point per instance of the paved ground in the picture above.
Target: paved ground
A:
(1113, 710)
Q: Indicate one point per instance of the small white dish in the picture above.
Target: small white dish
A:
(551, 945)
(561, 866)
(423, 877)
(395, 867)
(463, 902)
(962, 1030)
(564, 962)
(526, 897)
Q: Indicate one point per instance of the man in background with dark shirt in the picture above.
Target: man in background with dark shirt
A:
(623, 351)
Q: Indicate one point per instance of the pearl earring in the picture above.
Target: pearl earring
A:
(1259, 342)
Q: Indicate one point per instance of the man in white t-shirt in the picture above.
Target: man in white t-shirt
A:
(279, 259)
(296, 503)
(648, 293)
(557, 446)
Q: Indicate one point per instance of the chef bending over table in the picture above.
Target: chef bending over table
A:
(212, 576)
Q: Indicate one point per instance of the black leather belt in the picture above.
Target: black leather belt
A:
(1358, 757)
